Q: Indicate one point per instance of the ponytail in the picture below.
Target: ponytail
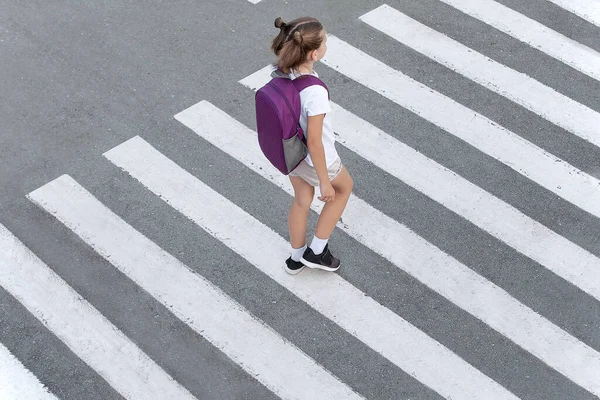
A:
(295, 40)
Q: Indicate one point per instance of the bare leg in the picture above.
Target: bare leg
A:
(298, 216)
(333, 210)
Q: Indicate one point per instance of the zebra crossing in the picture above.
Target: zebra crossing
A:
(372, 324)
(533, 33)
(524, 157)
(262, 352)
(277, 361)
(520, 88)
(457, 194)
(79, 325)
(358, 219)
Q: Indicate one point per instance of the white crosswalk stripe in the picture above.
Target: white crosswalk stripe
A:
(520, 88)
(498, 218)
(17, 382)
(417, 257)
(586, 9)
(258, 349)
(533, 33)
(373, 324)
(524, 157)
(80, 326)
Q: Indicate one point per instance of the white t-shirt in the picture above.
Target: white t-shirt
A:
(315, 101)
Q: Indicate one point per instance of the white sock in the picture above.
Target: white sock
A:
(297, 253)
(318, 245)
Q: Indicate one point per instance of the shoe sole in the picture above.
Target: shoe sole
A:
(319, 266)
(293, 271)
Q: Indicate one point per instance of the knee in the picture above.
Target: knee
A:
(303, 202)
(346, 189)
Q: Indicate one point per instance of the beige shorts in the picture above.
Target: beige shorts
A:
(309, 174)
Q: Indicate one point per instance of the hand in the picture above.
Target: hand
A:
(327, 192)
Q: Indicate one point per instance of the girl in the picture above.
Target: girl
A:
(300, 44)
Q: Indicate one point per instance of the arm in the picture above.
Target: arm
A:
(314, 139)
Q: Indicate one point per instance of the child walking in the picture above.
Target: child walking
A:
(299, 44)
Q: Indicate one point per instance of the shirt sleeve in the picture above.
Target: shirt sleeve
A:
(316, 101)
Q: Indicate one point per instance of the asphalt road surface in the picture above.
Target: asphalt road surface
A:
(143, 234)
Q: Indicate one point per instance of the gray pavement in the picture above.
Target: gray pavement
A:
(79, 78)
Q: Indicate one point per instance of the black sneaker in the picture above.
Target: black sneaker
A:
(293, 267)
(325, 260)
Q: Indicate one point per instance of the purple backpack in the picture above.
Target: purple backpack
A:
(280, 136)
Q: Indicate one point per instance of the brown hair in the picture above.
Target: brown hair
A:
(295, 40)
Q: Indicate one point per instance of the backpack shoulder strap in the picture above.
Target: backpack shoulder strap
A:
(305, 81)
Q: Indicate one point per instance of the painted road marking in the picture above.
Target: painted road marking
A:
(524, 157)
(80, 326)
(468, 200)
(393, 337)
(417, 257)
(518, 87)
(586, 9)
(17, 382)
(533, 33)
(258, 349)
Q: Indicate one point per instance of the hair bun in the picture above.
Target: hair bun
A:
(280, 23)
(298, 38)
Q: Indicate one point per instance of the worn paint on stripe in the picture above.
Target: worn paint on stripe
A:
(518, 87)
(586, 9)
(421, 259)
(524, 157)
(262, 352)
(376, 326)
(17, 382)
(533, 33)
(80, 326)
(499, 219)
